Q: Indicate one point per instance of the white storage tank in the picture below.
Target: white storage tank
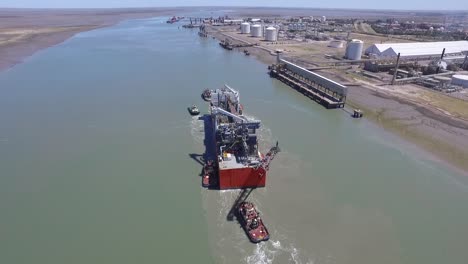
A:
(336, 44)
(256, 30)
(324, 18)
(354, 49)
(270, 34)
(460, 80)
(245, 28)
(277, 27)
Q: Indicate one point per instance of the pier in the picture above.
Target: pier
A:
(227, 44)
(319, 88)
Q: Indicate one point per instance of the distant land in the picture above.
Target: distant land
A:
(25, 31)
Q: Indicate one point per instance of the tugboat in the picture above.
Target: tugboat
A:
(252, 223)
(206, 95)
(193, 110)
(207, 171)
(172, 20)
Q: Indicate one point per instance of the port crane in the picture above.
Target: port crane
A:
(271, 154)
(265, 163)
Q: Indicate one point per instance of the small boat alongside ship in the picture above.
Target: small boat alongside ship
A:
(208, 170)
(252, 223)
(193, 110)
(206, 95)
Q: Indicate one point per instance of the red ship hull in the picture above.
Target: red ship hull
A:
(240, 178)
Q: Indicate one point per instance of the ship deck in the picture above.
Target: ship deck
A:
(231, 164)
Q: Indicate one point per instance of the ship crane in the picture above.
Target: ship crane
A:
(265, 163)
(241, 119)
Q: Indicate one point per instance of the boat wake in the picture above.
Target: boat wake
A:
(265, 253)
(261, 253)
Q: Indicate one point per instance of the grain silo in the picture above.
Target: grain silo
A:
(245, 28)
(256, 30)
(336, 44)
(354, 49)
(270, 34)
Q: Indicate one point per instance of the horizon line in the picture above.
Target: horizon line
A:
(233, 6)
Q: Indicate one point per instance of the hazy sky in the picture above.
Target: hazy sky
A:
(367, 4)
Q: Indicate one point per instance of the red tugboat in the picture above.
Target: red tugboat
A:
(207, 171)
(172, 20)
(252, 223)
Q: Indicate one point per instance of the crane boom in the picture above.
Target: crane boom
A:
(265, 163)
(242, 119)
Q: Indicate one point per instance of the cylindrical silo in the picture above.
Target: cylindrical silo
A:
(336, 44)
(270, 34)
(245, 28)
(461, 80)
(354, 49)
(256, 30)
(277, 27)
(324, 18)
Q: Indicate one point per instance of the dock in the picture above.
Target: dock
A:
(227, 44)
(319, 88)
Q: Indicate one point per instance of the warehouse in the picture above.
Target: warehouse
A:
(417, 49)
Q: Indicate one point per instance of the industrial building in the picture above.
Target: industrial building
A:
(233, 21)
(460, 80)
(416, 49)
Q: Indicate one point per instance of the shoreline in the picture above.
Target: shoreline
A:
(15, 54)
(23, 32)
(441, 136)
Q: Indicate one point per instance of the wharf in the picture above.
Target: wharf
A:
(318, 91)
(230, 46)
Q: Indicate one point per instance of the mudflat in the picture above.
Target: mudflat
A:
(25, 31)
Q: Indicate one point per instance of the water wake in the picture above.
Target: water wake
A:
(265, 253)
(197, 129)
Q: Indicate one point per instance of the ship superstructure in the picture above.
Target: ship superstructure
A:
(239, 161)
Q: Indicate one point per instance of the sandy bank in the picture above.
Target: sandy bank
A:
(25, 31)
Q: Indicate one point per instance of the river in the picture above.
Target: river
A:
(96, 167)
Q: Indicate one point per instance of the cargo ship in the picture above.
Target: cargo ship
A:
(239, 163)
(252, 223)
